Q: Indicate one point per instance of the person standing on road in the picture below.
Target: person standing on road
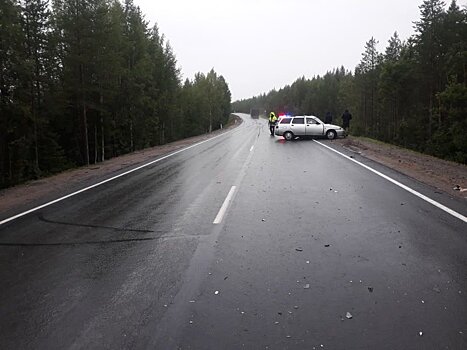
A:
(328, 118)
(346, 120)
(272, 122)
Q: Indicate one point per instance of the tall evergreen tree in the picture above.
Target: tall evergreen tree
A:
(35, 16)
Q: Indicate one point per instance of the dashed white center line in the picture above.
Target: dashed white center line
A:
(225, 205)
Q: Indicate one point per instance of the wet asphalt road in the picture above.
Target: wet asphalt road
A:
(308, 237)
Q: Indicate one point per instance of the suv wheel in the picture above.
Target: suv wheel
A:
(331, 135)
(288, 136)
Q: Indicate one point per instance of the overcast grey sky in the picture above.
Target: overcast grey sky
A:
(259, 45)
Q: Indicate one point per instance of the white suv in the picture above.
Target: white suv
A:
(306, 125)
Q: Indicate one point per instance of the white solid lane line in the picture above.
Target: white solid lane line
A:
(225, 206)
(397, 183)
(105, 181)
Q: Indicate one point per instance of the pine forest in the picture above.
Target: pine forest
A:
(82, 81)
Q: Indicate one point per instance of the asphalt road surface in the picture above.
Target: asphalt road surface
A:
(242, 242)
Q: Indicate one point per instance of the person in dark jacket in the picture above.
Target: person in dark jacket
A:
(328, 118)
(346, 117)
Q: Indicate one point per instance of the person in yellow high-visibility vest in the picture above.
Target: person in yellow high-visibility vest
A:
(272, 122)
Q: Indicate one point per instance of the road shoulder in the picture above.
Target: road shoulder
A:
(448, 177)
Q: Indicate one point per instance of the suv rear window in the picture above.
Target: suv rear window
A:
(286, 121)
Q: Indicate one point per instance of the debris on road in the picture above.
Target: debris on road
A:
(299, 249)
(307, 286)
(216, 292)
(327, 245)
(437, 290)
(308, 261)
(370, 289)
(263, 220)
(348, 315)
(295, 307)
(420, 333)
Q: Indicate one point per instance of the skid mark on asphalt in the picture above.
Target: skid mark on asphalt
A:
(49, 221)
(103, 242)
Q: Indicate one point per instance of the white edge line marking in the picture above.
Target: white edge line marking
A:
(225, 205)
(408, 189)
(110, 179)
(252, 148)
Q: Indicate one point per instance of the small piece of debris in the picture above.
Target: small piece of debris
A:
(191, 322)
(295, 307)
(457, 188)
(299, 249)
(263, 220)
(327, 245)
(437, 290)
(370, 289)
(226, 277)
(192, 301)
(276, 322)
(308, 261)
(288, 336)
(423, 301)
(216, 292)
(307, 286)
(420, 333)
(348, 315)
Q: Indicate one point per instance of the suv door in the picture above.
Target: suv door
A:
(298, 126)
(313, 127)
